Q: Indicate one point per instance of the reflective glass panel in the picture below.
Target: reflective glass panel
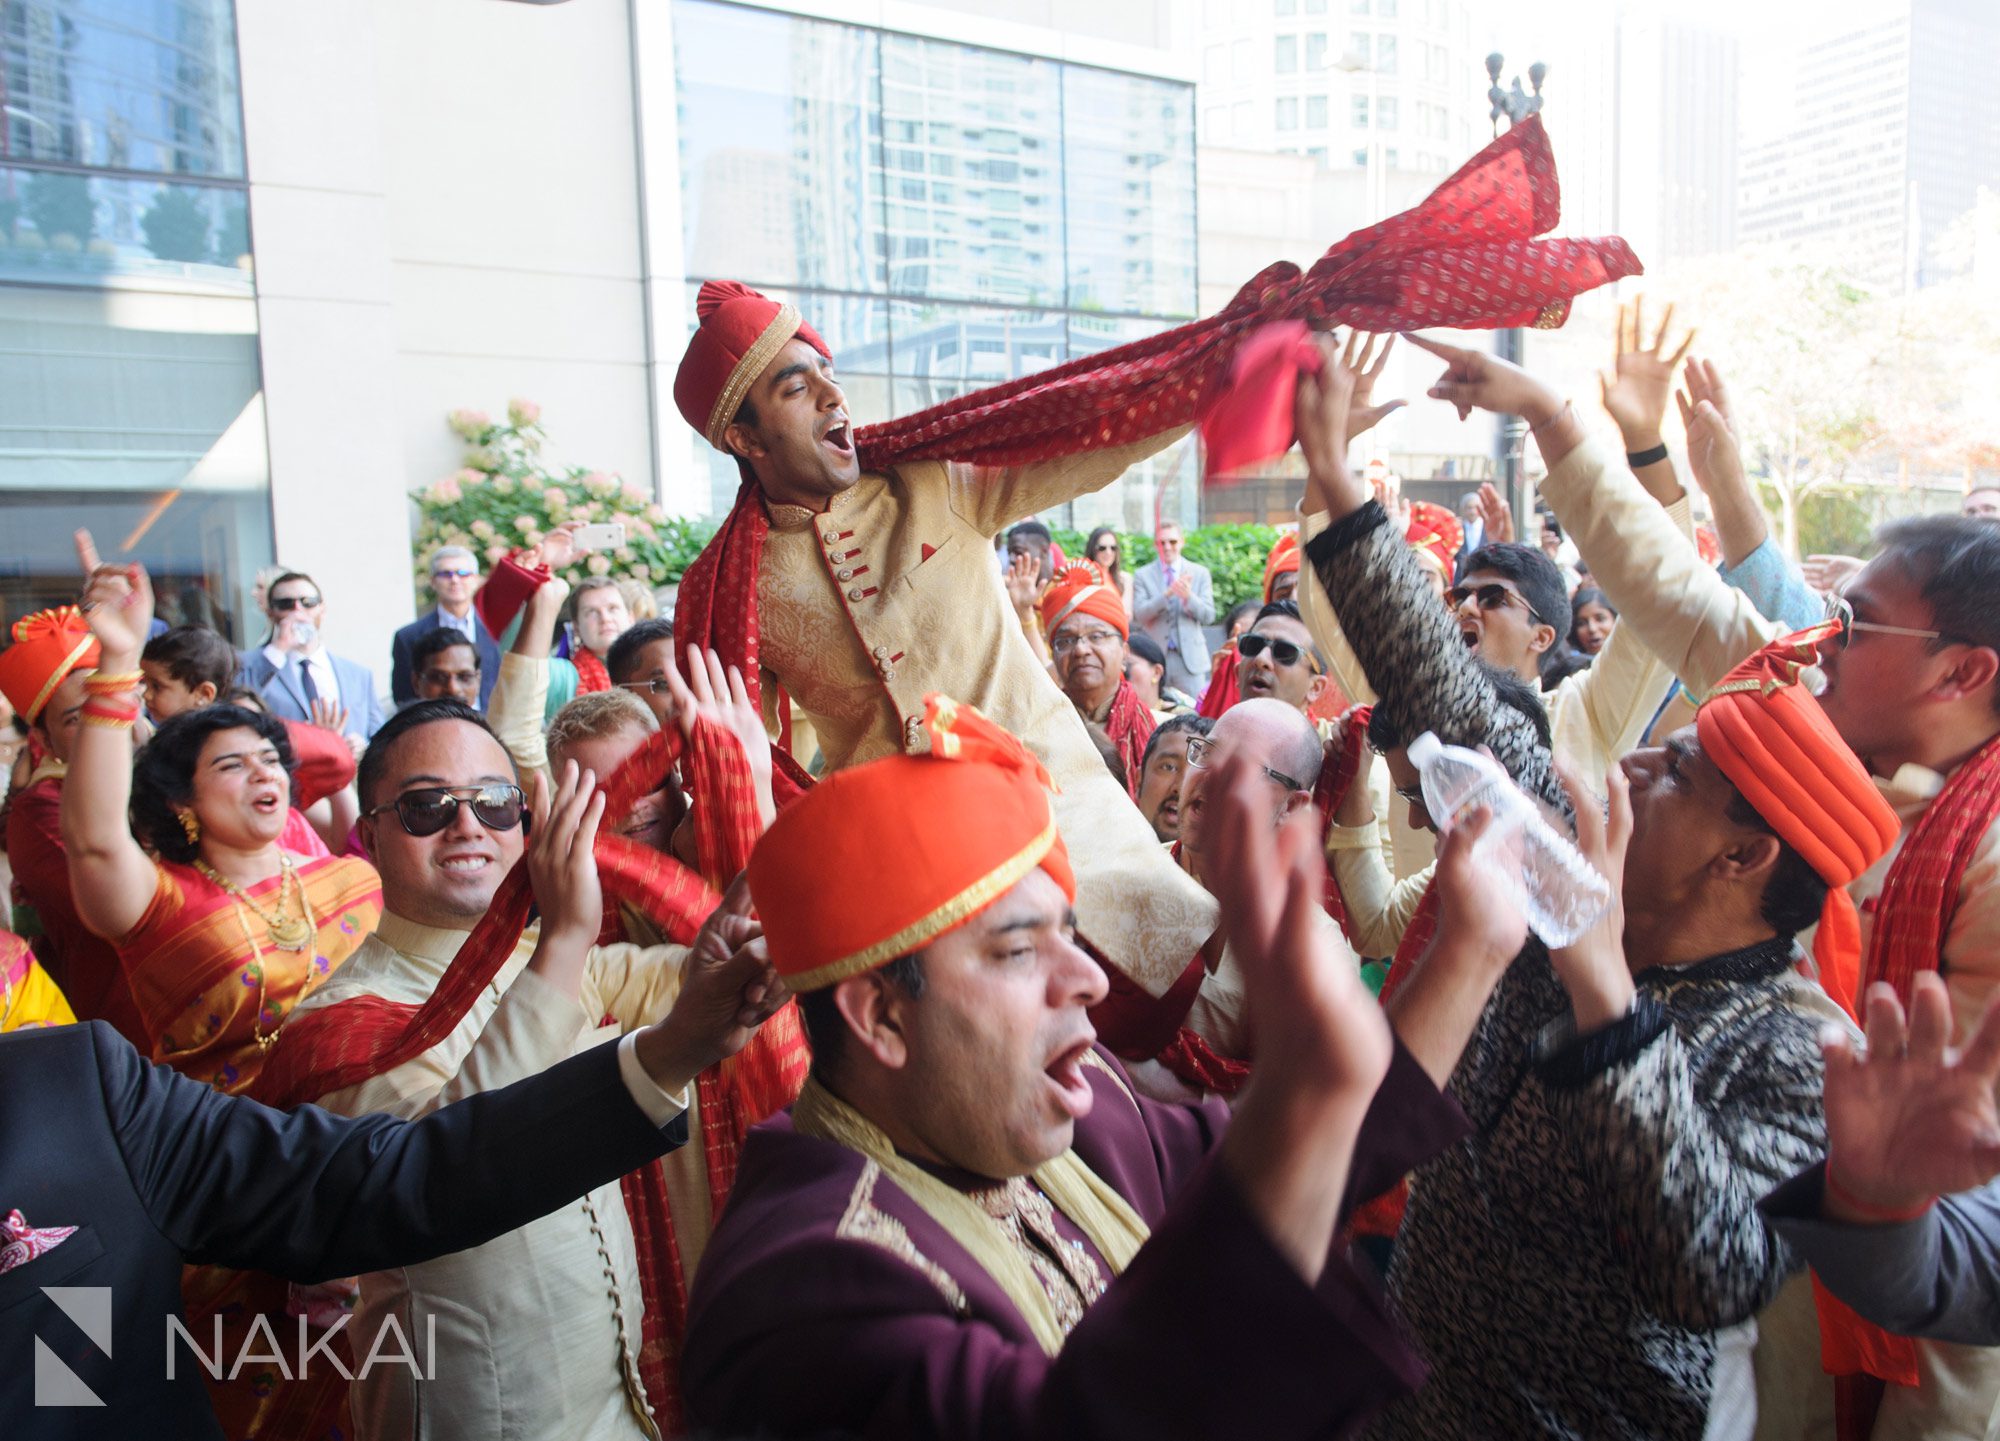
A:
(1131, 193)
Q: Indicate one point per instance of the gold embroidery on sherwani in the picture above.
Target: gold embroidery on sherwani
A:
(864, 1222)
(1066, 1269)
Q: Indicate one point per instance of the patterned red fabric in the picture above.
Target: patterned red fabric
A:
(1201, 1066)
(1920, 894)
(1222, 692)
(591, 675)
(1130, 725)
(325, 762)
(1337, 772)
(1465, 257)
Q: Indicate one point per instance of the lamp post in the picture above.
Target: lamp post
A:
(1352, 64)
(1514, 105)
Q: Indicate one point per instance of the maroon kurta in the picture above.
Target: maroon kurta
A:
(828, 1304)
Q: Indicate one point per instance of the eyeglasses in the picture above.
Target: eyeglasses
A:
(1413, 796)
(426, 812)
(1201, 749)
(293, 602)
(1838, 609)
(451, 677)
(1283, 652)
(465, 574)
(1491, 596)
(1095, 639)
(1104, 545)
(656, 686)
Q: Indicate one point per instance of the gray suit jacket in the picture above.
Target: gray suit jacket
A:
(1161, 615)
(1937, 1277)
(284, 693)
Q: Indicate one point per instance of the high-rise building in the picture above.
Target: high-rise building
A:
(1894, 127)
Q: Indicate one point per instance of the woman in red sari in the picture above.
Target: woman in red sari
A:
(224, 933)
(220, 931)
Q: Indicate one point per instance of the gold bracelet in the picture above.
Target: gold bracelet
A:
(116, 723)
(98, 683)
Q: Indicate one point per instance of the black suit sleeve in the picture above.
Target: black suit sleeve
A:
(401, 690)
(308, 1194)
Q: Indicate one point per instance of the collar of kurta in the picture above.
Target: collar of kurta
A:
(425, 943)
(800, 517)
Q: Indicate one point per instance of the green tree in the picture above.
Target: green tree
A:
(60, 205)
(176, 225)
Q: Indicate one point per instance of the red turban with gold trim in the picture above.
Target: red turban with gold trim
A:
(941, 837)
(1767, 733)
(1284, 558)
(47, 646)
(1080, 587)
(739, 334)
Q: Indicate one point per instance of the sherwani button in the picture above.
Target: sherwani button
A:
(854, 594)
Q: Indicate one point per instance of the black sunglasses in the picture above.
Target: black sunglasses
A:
(293, 602)
(1491, 596)
(1283, 652)
(426, 812)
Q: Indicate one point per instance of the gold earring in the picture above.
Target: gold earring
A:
(191, 824)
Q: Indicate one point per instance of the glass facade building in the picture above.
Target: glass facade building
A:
(947, 216)
(128, 314)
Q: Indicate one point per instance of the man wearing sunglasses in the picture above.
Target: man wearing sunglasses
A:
(1277, 660)
(444, 823)
(454, 575)
(294, 668)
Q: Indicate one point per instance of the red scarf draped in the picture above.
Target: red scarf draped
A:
(591, 675)
(1465, 257)
(1130, 725)
(1221, 692)
(1913, 913)
(329, 1049)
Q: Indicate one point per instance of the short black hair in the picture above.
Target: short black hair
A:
(1289, 610)
(1145, 647)
(244, 696)
(1533, 573)
(826, 1028)
(1955, 561)
(375, 760)
(1239, 610)
(163, 771)
(1795, 892)
(1509, 690)
(1193, 725)
(1559, 662)
(193, 654)
(279, 580)
(435, 642)
(1033, 530)
(623, 658)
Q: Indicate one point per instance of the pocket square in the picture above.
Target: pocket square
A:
(20, 1243)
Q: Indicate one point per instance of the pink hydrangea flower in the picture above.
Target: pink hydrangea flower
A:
(471, 423)
(446, 491)
(523, 412)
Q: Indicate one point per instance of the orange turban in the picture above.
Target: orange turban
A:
(938, 838)
(1769, 735)
(47, 646)
(739, 334)
(1080, 586)
(1284, 557)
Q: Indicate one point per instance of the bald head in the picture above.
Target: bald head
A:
(1266, 733)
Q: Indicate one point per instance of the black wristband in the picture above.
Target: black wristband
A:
(1640, 459)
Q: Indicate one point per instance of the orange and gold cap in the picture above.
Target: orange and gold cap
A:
(880, 860)
(1080, 586)
(1771, 738)
(48, 645)
(739, 333)
(1284, 557)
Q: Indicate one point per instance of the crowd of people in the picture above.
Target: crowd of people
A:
(916, 989)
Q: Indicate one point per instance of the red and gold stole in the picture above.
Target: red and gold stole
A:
(1130, 725)
(329, 1049)
(1466, 256)
(590, 672)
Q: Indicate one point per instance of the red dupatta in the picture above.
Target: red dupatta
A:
(338, 1046)
(1129, 725)
(1465, 257)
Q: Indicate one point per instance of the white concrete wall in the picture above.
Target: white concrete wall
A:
(444, 196)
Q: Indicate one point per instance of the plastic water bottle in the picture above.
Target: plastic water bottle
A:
(1559, 891)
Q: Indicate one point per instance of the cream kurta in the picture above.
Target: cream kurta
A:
(1703, 626)
(537, 1330)
(889, 595)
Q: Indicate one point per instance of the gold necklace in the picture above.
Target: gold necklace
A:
(288, 933)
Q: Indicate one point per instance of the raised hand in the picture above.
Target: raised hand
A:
(1367, 364)
(714, 693)
(1495, 518)
(1830, 573)
(1641, 378)
(1593, 970)
(1314, 1020)
(556, 549)
(1704, 382)
(1474, 380)
(728, 989)
(1389, 495)
(1320, 415)
(329, 714)
(1912, 1118)
(1023, 577)
(117, 603)
(1480, 909)
(561, 866)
